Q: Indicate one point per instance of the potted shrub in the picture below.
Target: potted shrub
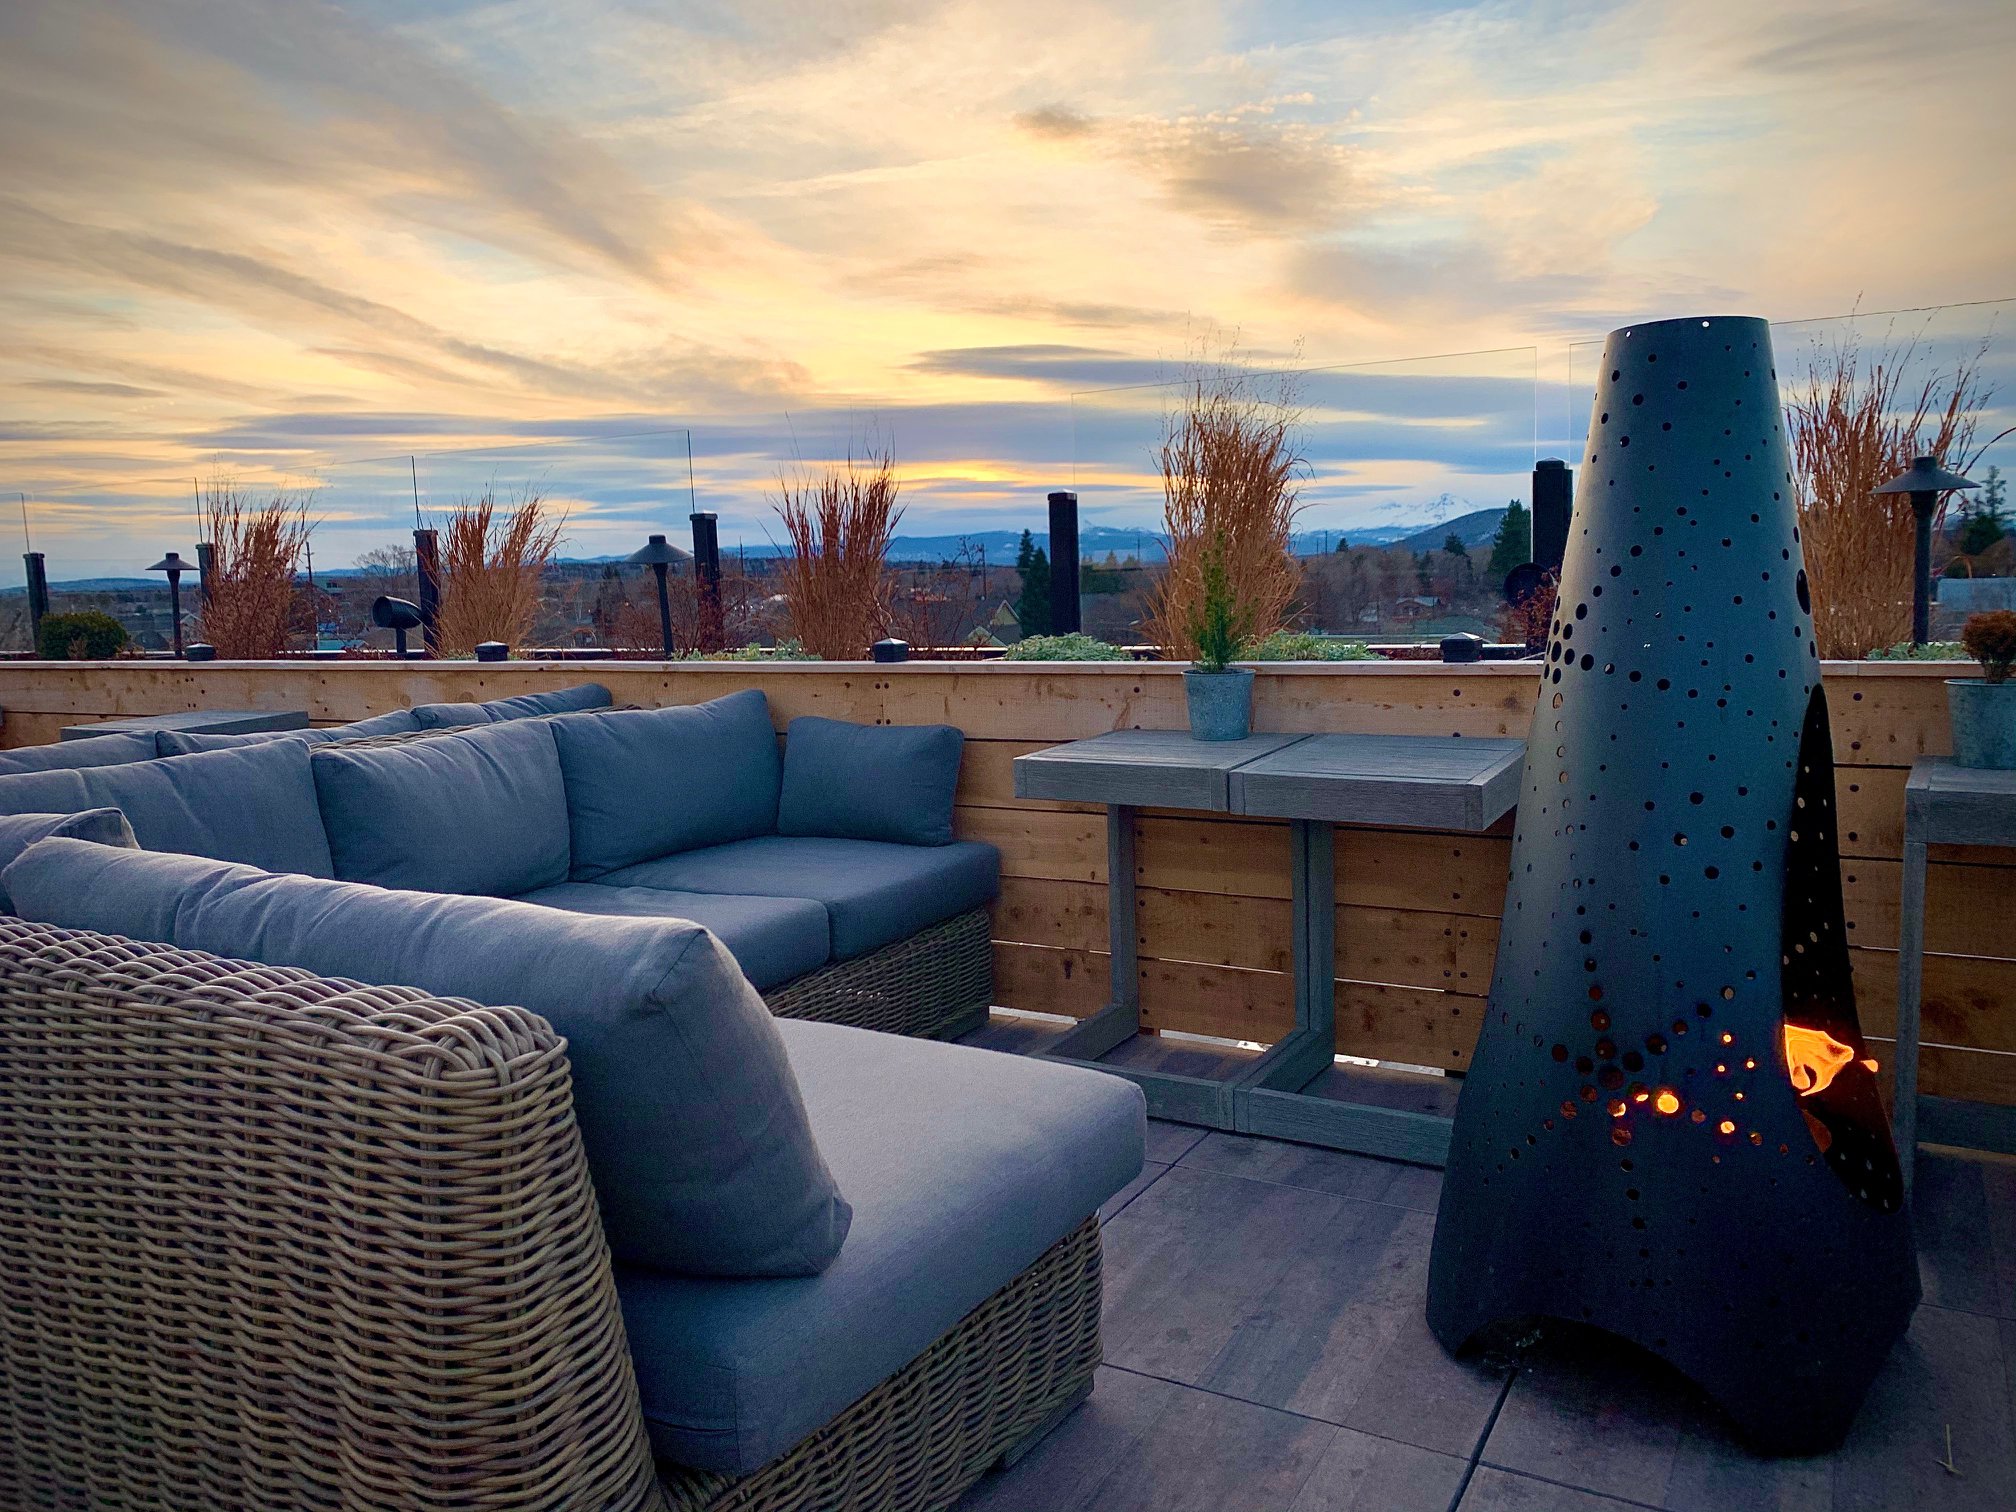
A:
(1984, 708)
(1219, 695)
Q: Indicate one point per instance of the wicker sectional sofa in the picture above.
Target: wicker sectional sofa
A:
(397, 1192)
(831, 873)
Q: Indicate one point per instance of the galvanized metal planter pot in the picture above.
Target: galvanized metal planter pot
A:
(1220, 703)
(1671, 1129)
(1984, 722)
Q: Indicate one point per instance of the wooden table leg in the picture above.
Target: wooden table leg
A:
(1910, 985)
(1120, 1019)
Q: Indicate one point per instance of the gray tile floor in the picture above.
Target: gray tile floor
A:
(1265, 1352)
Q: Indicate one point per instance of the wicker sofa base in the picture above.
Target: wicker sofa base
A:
(978, 1395)
(935, 984)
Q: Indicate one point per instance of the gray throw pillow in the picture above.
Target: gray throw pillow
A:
(560, 701)
(450, 716)
(644, 783)
(697, 1138)
(115, 749)
(469, 811)
(104, 826)
(179, 743)
(869, 782)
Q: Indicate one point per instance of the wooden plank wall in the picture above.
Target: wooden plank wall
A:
(1417, 918)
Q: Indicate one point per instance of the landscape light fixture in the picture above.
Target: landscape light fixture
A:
(659, 555)
(174, 566)
(1924, 480)
(397, 615)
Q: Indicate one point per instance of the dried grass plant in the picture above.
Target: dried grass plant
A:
(1857, 425)
(492, 565)
(839, 522)
(258, 547)
(1230, 459)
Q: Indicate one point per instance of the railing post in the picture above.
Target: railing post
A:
(1553, 502)
(38, 597)
(707, 574)
(427, 564)
(1064, 614)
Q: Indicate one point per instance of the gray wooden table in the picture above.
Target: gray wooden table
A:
(1314, 782)
(1944, 804)
(195, 722)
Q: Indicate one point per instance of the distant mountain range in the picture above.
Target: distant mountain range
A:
(1477, 528)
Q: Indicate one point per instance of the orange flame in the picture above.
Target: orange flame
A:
(1814, 1058)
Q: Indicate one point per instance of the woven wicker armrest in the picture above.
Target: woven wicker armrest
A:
(270, 1241)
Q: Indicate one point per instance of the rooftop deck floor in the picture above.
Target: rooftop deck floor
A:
(1266, 1352)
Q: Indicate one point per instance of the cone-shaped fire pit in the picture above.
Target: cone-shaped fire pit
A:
(1671, 1128)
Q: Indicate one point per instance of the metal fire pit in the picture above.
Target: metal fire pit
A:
(1671, 1127)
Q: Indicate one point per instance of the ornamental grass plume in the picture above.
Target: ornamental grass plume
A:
(840, 523)
(249, 591)
(1230, 459)
(492, 567)
(1856, 426)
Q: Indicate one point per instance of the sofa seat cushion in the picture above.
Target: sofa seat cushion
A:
(480, 810)
(964, 1166)
(772, 939)
(103, 826)
(253, 803)
(647, 782)
(696, 1136)
(115, 749)
(875, 893)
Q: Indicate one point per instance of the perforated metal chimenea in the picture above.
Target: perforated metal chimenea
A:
(1671, 1128)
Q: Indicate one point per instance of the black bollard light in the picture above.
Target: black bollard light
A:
(1924, 480)
(174, 566)
(492, 651)
(659, 555)
(890, 650)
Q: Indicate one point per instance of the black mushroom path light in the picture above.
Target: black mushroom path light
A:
(1671, 1128)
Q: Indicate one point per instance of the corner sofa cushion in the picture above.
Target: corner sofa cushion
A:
(869, 782)
(182, 743)
(450, 716)
(254, 804)
(875, 893)
(643, 783)
(398, 722)
(559, 701)
(772, 939)
(115, 749)
(696, 1135)
(965, 1166)
(470, 811)
(103, 826)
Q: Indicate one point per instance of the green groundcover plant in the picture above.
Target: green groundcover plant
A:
(1074, 647)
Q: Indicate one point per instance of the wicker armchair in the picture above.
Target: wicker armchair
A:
(270, 1241)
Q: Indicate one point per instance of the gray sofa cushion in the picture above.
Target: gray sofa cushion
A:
(254, 804)
(450, 716)
(471, 811)
(869, 782)
(695, 1132)
(772, 939)
(103, 826)
(115, 749)
(180, 743)
(559, 701)
(398, 722)
(964, 1166)
(875, 893)
(646, 782)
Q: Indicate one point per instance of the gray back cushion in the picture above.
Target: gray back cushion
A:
(870, 782)
(560, 701)
(104, 826)
(696, 1135)
(449, 716)
(179, 743)
(644, 783)
(472, 811)
(398, 722)
(115, 749)
(254, 804)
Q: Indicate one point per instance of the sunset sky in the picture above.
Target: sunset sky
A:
(271, 238)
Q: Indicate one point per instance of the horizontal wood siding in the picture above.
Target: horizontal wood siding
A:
(1417, 915)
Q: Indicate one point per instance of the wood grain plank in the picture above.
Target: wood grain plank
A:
(1969, 910)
